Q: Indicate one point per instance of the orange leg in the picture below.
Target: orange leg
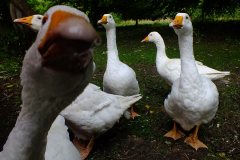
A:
(174, 133)
(133, 113)
(83, 148)
(193, 140)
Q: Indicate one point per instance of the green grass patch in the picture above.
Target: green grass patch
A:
(9, 65)
(216, 49)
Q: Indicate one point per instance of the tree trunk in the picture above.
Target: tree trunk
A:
(136, 24)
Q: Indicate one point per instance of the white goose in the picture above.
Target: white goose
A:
(55, 148)
(59, 146)
(194, 98)
(118, 78)
(170, 69)
(56, 69)
(93, 113)
(34, 21)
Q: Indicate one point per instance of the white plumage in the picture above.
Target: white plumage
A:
(170, 69)
(194, 98)
(34, 21)
(118, 78)
(59, 145)
(53, 75)
(91, 114)
(94, 111)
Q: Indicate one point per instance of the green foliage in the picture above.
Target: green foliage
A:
(40, 6)
(142, 9)
(11, 39)
(9, 66)
(10, 47)
(220, 7)
(117, 17)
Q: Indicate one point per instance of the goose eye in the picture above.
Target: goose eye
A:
(150, 34)
(186, 17)
(39, 18)
(110, 16)
(44, 20)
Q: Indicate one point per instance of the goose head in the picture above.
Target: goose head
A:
(154, 37)
(66, 32)
(182, 24)
(64, 46)
(107, 21)
(34, 21)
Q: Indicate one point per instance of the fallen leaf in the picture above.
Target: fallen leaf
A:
(168, 142)
(147, 106)
(222, 154)
(10, 86)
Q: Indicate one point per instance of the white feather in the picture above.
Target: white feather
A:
(45, 93)
(170, 69)
(118, 78)
(94, 111)
(59, 145)
(193, 99)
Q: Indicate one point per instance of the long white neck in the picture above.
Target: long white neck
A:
(43, 98)
(28, 137)
(189, 72)
(111, 39)
(161, 56)
(112, 51)
(27, 140)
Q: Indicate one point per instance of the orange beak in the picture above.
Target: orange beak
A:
(177, 22)
(24, 20)
(146, 39)
(103, 20)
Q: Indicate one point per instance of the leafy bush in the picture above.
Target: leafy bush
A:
(40, 6)
(117, 17)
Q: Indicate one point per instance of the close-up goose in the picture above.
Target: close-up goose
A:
(194, 98)
(56, 69)
(170, 68)
(118, 78)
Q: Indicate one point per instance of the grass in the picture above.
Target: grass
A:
(142, 138)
